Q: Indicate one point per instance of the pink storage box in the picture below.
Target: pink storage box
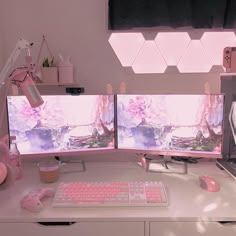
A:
(65, 74)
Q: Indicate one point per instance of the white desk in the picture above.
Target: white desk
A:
(192, 211)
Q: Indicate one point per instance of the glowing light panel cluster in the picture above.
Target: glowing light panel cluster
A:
(171, 49)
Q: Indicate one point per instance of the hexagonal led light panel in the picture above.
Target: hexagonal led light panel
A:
(172, 45)
(171, 49)
(149, 59)
(215, 42)
(195, 59)
(126, 46)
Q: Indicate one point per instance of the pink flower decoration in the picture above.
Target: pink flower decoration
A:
(138, 107)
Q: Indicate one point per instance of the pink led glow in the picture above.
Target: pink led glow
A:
(126, 46)
(149, 59)
(195, 59)
(215, 42)
(171, 49)
(172, 45)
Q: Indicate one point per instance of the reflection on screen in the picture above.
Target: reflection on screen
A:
(62, 124)
(186, 125)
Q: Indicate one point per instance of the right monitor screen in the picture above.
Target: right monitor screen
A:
(171, 124)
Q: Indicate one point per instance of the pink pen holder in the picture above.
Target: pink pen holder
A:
(49, 75)
(65, 73)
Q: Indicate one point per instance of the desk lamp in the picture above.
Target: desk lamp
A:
(21, 77)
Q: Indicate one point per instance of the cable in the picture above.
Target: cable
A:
(190, 160)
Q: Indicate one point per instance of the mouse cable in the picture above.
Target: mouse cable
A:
(190, 160)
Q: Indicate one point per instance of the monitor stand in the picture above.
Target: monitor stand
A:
(162, 164)
(229, 165)
(71, 166)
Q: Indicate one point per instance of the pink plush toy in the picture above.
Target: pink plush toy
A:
(31, 201)
(4, 153)
(3, 172)
(4, 159)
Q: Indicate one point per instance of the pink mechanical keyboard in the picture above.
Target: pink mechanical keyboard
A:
(140, 193)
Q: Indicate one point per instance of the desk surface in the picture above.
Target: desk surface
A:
(187, 201)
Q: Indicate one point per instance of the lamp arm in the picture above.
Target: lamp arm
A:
(20, 45)
(26, 82)
(21, 77)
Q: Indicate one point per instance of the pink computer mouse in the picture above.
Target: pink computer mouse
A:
(209, 184)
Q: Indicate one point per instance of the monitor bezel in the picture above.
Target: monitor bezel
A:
(232, 111)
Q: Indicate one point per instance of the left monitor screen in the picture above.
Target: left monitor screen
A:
(63, 125)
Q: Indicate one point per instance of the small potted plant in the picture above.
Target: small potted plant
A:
(49, 71)
(47, 62)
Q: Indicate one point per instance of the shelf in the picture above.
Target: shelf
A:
(56, 84)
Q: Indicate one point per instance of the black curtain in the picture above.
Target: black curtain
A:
(128, 14)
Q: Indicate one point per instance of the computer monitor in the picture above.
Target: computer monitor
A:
(63, 125)
(171, 124)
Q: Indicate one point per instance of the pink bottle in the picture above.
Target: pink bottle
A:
(15, 160)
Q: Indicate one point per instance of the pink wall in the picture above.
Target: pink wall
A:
(78, 28)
